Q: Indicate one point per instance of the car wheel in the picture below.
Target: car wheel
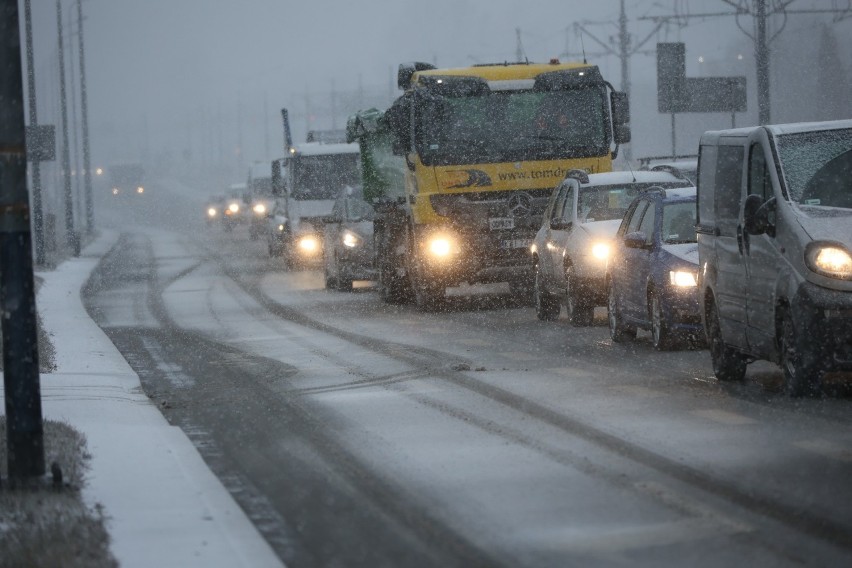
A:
(801, 372)
(547, 306)
(580, 313)
(662, 337)
(728, 364)
(619, 331)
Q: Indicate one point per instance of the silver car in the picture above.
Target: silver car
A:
(572, 248)
(348, 241)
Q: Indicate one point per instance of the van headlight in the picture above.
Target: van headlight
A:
(308, 244)
(683, 279)
(829, 259)
(350, 239)
(260, 208)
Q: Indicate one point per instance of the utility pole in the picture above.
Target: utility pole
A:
(38, 219)
(73, 241)
(84, 111)
(24, 429)
(519, 46)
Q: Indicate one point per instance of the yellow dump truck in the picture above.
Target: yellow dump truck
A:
(481, 150)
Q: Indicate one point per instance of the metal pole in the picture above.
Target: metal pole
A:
(24, 430)
(71, 236)
(674, 146)
(38, 219)
(762, 61)
(624, 55)
(84, 108)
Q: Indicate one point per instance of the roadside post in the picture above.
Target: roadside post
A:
(24, 430)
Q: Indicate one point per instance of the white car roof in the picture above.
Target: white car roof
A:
(681, 192)
(627, 177)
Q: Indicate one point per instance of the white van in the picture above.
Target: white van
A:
(775, 249)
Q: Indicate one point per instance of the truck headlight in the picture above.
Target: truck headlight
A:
(350, 239)
(440, 246)
(308, 244)
(260, 208)
(683, 278)
(600, 250)
(830, 260)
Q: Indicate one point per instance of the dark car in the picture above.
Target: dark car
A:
(348, 241)
(652, 282)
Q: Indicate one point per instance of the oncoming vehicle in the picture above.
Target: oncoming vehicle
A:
(305, 184)
(213, 209)
(652, 281)
(775, 249)
(127, 180)
(572, 248)
(482, 148)
(259, 198)
(348, 241)
(234, 209)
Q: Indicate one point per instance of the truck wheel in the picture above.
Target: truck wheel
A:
(728, 364)
(428, 296)
(619, 331)
(801, 371)
(547, 306)
(580, 313)
(662, 337)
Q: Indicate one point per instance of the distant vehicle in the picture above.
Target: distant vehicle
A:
(127, 180)
(214, 210)
(775, 249)
(348, 240)
(259, 198)
(572, 248)
(652, 280)
(306, 184)
(234, 207)
(687, 164)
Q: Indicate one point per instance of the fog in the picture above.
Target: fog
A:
(197, 86)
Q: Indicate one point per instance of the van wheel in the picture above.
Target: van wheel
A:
(619, 331)
(728, 364)
(801, 372)
(547, 306)
(580, 314)
(662, 337)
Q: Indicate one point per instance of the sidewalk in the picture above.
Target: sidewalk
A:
(163, 504)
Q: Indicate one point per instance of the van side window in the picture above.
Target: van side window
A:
(758, 174)
(706, 178)
(729, 190)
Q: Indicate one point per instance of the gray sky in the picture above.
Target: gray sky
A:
(198, 78)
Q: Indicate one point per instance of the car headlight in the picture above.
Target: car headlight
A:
(600, 250)
(140, 189)
(350, 239)
(211, 212)
(234, 208)
(683, 278)
(280, 228)
(829, 260)
(115, 191)
(260, 208)
(308, 244)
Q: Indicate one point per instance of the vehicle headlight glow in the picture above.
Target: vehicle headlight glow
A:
(281, 228)
(600, 250)
(140, 189)
(115, 191)
(683, 278)
(440, 246)
(829, 260)
(309, 244)
(211, 212)
(260, 208)
(350, 239)
(234, 207)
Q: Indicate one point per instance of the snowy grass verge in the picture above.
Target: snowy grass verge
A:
(47, 527)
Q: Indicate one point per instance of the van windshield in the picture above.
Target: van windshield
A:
(817, 167)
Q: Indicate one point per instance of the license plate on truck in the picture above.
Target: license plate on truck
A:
(515, 243)
(499, 223)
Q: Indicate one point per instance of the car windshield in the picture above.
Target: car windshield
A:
(514, 125)
(608, 202)
(679, 223)
(322, 177)
(817, 167)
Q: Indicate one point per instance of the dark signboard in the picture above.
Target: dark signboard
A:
(678, 93)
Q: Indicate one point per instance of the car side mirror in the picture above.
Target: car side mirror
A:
(635, 240)
(757, 215)
(558, 224)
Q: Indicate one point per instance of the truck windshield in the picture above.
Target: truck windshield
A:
(322, 177)
(514, 125)
(817, 167)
